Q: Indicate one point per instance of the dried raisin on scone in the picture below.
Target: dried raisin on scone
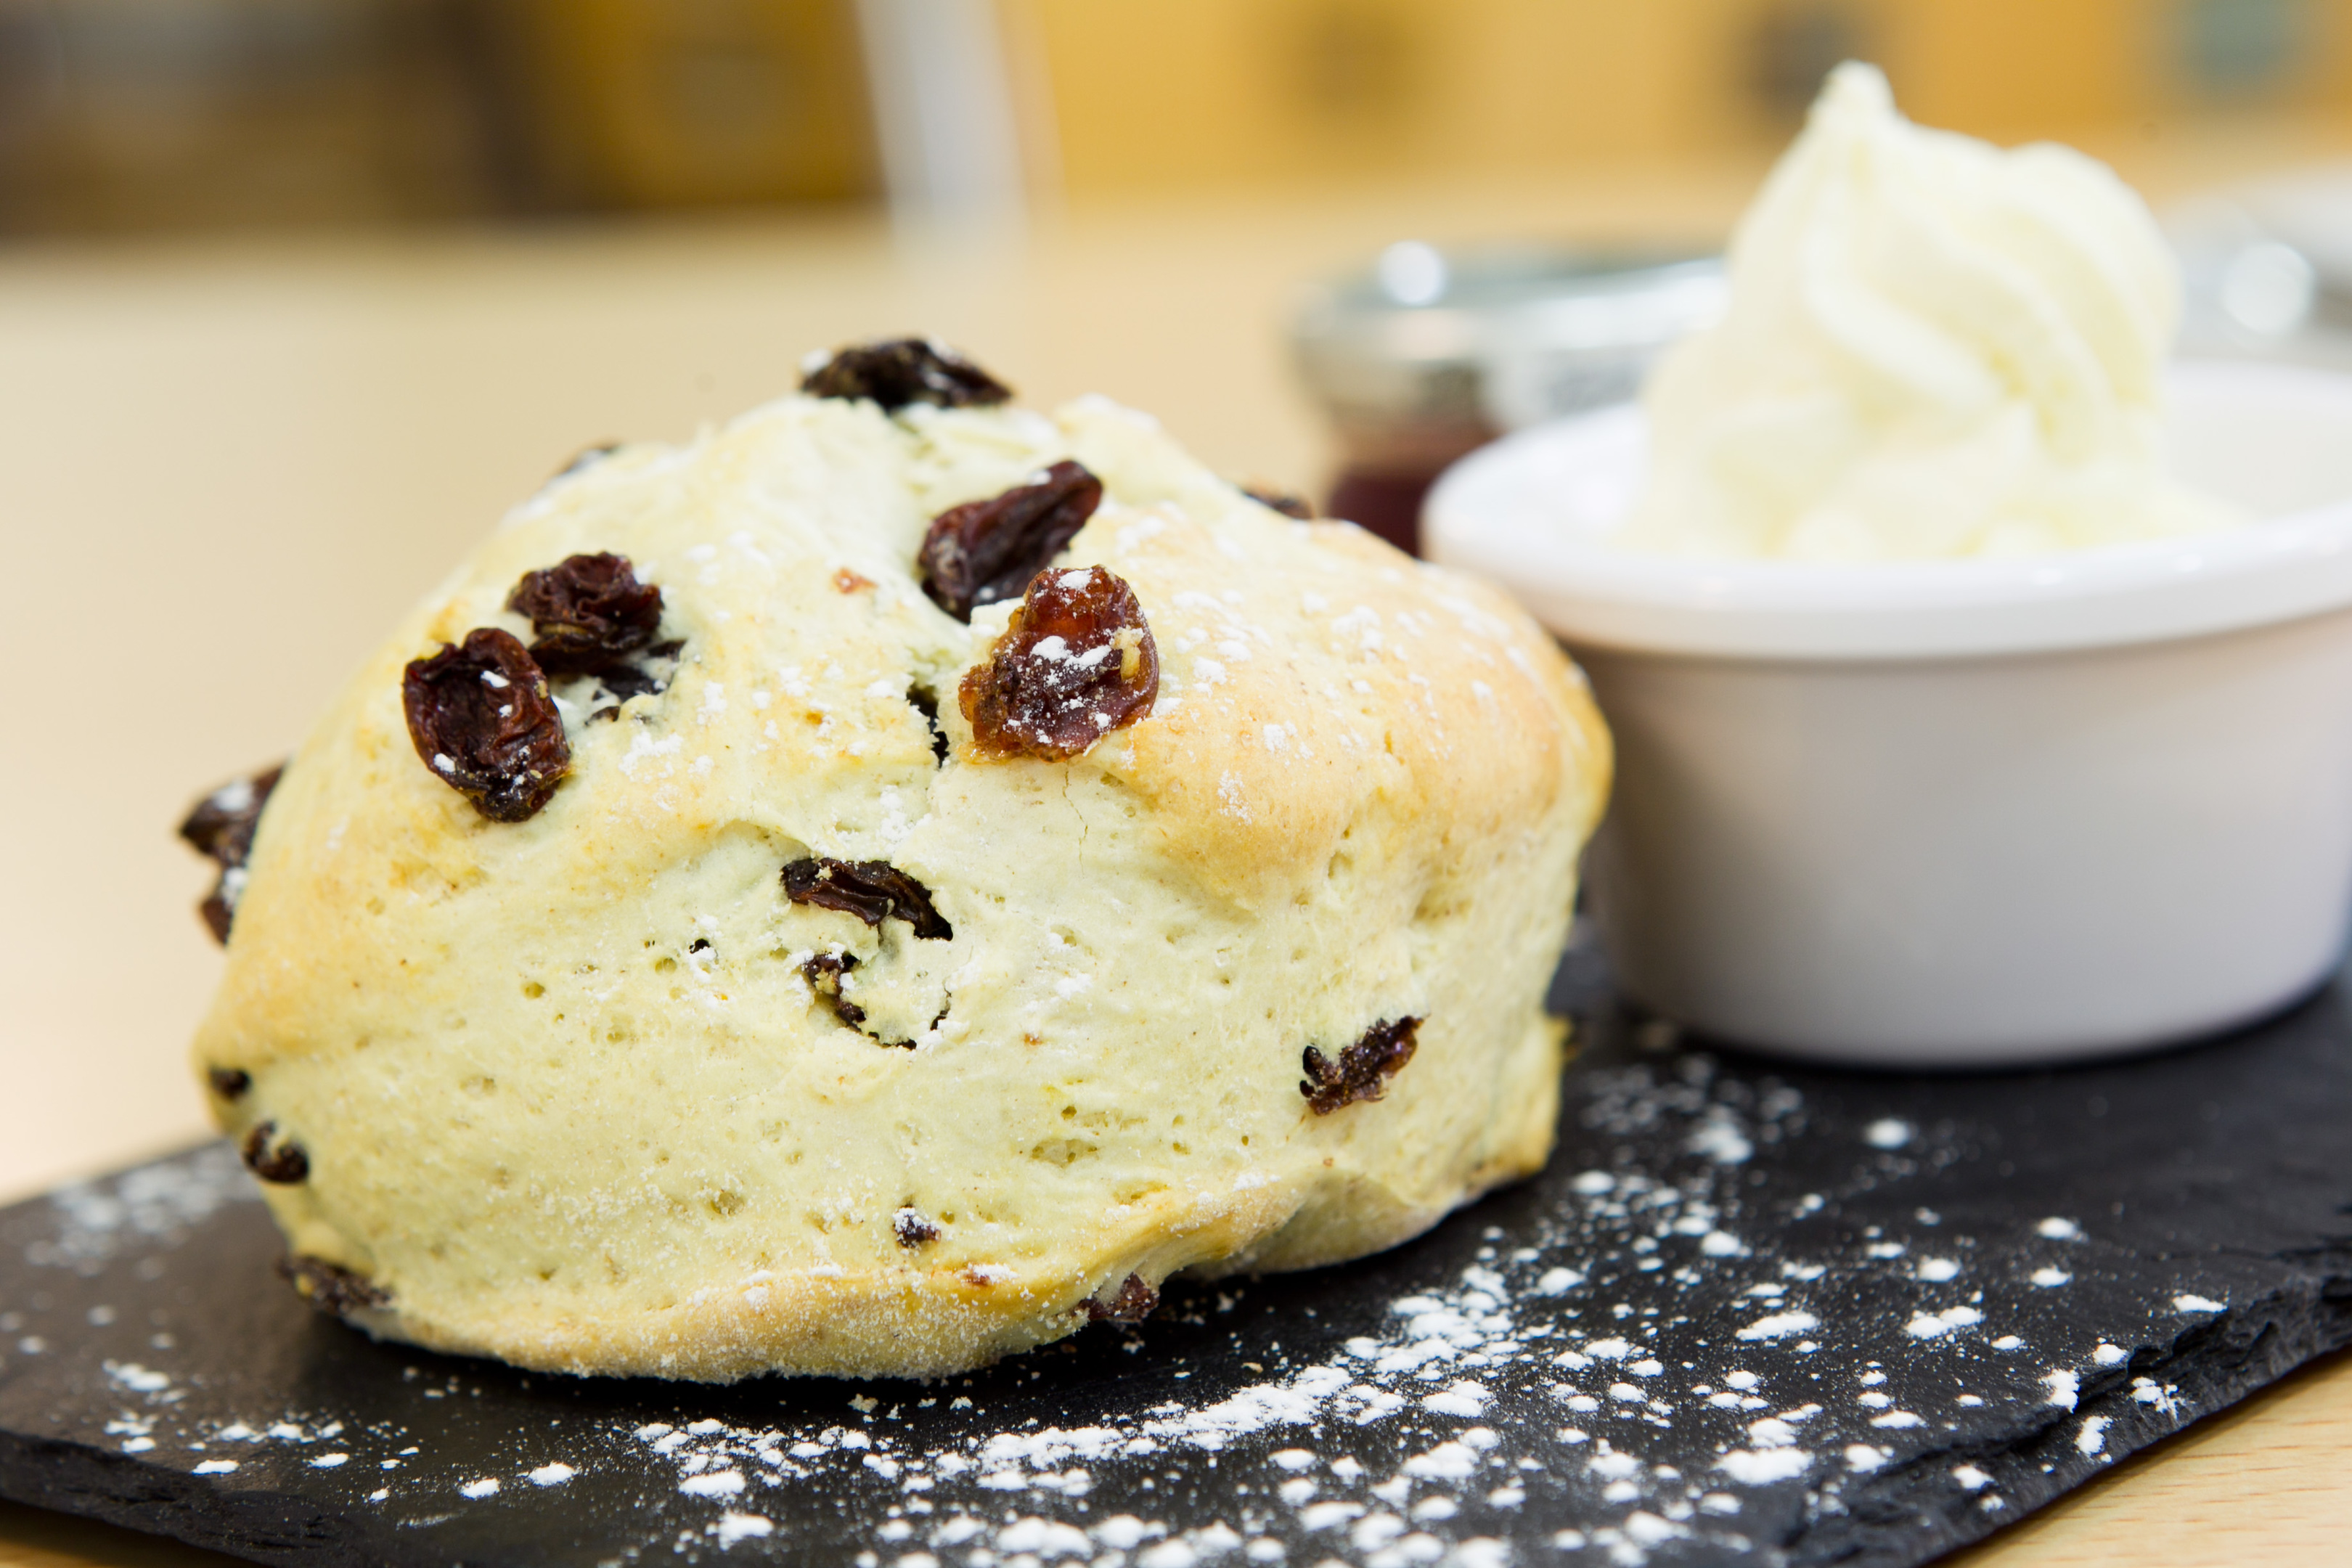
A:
(333, 1290)
(1075, 662)
(985, 552)
(1362, 1070)
(221, 828)
(901, 371)
(480, 718)
(274, 1158)
(873, 890)
(587, 613)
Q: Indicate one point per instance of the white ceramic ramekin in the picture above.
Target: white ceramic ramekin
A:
(1963, 814)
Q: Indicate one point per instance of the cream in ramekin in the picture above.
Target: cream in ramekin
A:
(1982, 812)
(1966, 712)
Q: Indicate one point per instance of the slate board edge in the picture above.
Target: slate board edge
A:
(2268, 1340)
(1862, 1519)
(2262, 1342)
(157, 1500)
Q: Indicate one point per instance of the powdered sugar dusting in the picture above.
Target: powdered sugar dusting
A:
(153, 1205)
(1407, 1442)
(1640, 1352)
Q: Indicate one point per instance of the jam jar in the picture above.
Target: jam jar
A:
(1429, 353)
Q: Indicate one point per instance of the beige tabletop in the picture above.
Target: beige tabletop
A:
(224, 467)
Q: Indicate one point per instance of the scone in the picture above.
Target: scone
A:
(887, 883)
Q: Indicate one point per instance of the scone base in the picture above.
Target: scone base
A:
(1709, 1223)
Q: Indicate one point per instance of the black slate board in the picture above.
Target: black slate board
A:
(1750, 1314)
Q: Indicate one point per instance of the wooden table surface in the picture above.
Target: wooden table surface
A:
(224, 467)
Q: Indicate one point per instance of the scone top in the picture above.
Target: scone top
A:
(952, 865)
(1076, 662)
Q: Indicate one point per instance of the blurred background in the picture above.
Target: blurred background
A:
(298, 296)
(123, 117)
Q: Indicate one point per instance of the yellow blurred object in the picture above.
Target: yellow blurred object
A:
(694, 102)
(127, 114)
(141, 114)
(119, 114)
(1254, 91)
(2012, 69)
(1265, 92)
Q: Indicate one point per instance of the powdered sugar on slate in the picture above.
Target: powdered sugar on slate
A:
(153, 1205)
(1642, 1356)
(1532, 1367)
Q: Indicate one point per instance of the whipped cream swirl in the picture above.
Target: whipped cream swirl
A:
(1933, 349)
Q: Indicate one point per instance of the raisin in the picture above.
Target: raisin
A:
(1076, 662)
(588, 612)
(229, 1083)
(913, 1229)
(1134, 1302)
(626, 681)
(824, 975)
(218, 910)
(899, 370)
(987, 550)
(329, 1287)
(1284, 501)
(221, 827)
(1362, 1070)
(873, 890)
(482, 720)
(282, 1162)
(586, 457)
